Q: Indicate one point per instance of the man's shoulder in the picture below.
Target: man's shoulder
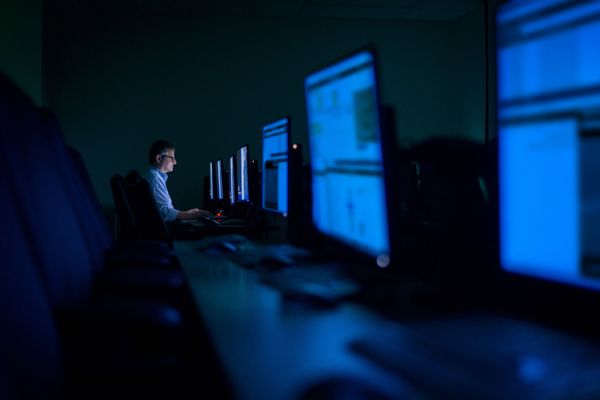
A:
(151, 173)
(155, 178)
(152, 176)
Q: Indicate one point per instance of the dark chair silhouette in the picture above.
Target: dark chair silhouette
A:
(62, 336)
(31, 361)
(149, 221)
(116, 252)
(125, 224)
(147, 216)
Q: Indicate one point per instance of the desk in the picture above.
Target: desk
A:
(271, 350)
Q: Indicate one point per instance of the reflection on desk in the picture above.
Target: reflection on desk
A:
(486, 356)
(273, 349)
(253, 254)
(318, 284)
(269, 350)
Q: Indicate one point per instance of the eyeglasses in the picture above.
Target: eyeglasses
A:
(168, 156)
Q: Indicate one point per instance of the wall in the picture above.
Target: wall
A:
(118, 81)
(469, 74)
(21, 44)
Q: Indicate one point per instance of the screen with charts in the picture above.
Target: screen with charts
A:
(548, 67)
(275, 139)
(231, 175)
(349, 197)
(241, 174)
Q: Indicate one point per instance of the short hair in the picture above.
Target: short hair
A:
(157, 148)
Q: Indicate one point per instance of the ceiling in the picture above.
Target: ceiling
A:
(415, 10)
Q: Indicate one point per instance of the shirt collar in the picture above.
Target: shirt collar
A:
(155, 170)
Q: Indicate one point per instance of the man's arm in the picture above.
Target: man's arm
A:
(192, 213)
(165, 205)
(163, 200)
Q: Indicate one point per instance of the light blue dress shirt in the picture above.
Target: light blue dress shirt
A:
(158, 185)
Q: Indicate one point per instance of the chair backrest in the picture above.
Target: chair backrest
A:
(29, 345)
(104, 234)
(85, 205)
(30, 356)
(126, 224)
(44, 202)
(150, 225)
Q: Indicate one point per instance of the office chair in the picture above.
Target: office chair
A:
(116, 252)
(125, 224)
(149, 221)
(31, 359)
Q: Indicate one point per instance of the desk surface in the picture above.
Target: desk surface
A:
(269, 349)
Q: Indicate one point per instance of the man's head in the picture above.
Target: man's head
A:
(162, 156)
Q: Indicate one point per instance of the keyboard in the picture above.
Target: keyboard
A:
(487, 357)
(318, 281)
(213, 220)
(236, 240)
(232, 221)
(285, 254)
(206, 220)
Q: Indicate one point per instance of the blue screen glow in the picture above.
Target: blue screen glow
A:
(548, 67)
(220, 180)
(275, 166)
(241, 159)
(231, 180)
(346, 156)
(211, 180)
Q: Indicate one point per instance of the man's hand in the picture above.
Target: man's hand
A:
(193, 213)
(200, 213)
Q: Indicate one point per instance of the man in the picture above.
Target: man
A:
(162, 160)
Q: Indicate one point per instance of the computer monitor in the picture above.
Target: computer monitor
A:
(220, 193)
(275, 143)
(241, 174)
(349, 198)
(211, 180)
(548, 113)
(231, 175)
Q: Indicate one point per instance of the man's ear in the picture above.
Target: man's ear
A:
(157, 158)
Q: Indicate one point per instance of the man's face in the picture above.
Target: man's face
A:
(167, 161)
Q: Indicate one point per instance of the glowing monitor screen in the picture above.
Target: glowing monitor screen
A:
(241, 174)
(548, 67)
(211, 180)
(220, 192)
(275, 137)
(231, 162)
(349, 197)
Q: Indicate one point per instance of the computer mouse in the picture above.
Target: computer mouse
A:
(342, 388)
